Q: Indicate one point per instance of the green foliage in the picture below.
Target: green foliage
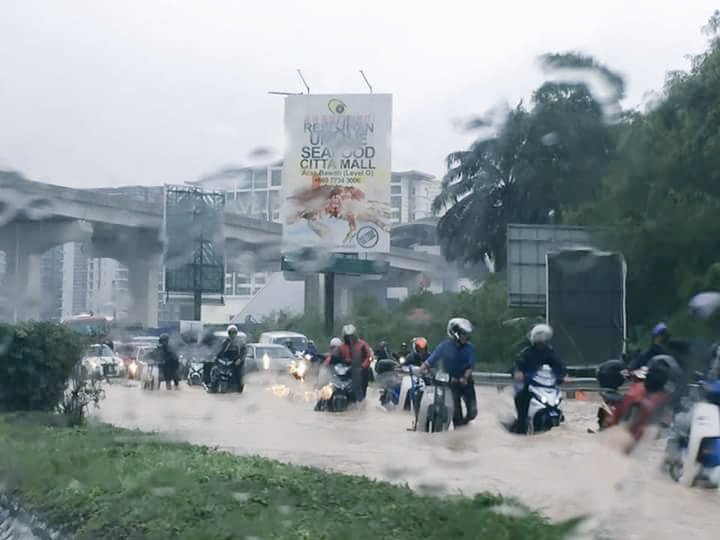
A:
(550, 157)
(498, 335)
(36, 360)
(103, 482)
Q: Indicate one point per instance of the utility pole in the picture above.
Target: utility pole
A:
(329, 303)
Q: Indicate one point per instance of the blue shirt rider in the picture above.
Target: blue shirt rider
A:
(457, 356)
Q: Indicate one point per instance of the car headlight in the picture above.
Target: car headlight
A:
(266, 361)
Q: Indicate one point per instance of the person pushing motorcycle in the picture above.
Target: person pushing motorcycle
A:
(234, 350)
(531, 359)
(357, 353)
(457, 355)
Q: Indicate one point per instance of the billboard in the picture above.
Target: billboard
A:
(336, 173)
(586, 304)
(194, 256)
(527, 246)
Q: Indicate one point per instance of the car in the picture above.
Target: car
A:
(101, 361)
(298, 341)
(269, 357)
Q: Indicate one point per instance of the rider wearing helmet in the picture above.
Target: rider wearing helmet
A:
(404, 352)
(382, 351)
(457, 356)
(419, 352)
(531, 359)
(334, 355)
(357, 353)
(168, 361)
(233, 348)
(658, 346)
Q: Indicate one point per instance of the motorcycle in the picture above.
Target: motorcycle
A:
(298, 367)
(434, 411)
(195, 373)
(692, 455)
(336, 395)
(544, 411)
(221, 376)
(617, 407)
(401, 384)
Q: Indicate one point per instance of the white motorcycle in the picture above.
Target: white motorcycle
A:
(544, 412)
(436, 408)
(692, 456)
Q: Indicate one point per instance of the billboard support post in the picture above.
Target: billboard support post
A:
(329, 303)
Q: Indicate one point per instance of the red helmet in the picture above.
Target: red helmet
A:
(419, 343)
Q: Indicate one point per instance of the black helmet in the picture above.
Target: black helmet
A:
(164, 338)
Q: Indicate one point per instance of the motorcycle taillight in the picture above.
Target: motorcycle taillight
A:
(709, 452)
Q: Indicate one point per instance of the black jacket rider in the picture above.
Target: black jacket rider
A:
(532, 358)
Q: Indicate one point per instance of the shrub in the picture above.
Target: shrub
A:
(36, 361)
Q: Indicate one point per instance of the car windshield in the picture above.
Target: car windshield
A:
(273, 352)
(100, 350)
(298, 343)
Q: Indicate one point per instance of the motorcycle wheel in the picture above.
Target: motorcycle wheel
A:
(438, 420)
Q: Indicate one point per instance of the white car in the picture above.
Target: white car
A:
(298, 341)
(101, 361)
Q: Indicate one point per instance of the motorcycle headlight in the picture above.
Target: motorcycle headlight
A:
(132, 368)
(402, 359)
(308, 357)
(442, 377)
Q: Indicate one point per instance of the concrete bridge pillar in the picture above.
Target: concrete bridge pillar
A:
(21, 286)
(144, 287)
(24, 242)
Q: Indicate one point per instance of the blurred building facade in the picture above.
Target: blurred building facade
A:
(74, 282)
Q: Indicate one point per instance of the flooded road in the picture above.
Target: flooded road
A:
(564, 473)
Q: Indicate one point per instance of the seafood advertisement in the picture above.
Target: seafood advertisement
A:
(336, 173)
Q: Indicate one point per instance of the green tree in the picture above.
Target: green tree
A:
(542, 162)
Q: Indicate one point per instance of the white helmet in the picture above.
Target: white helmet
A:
(349, 330)
(335, 342)
(541, 333)
(457, 326)
(232, 329)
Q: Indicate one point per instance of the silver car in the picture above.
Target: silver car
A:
(266, 357)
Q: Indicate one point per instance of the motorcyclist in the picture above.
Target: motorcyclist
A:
(420, 352)
(403, 352)
(168, 361)
(357, 353)
(233, 349)
(531, 359)
(664, 388)
(658, 346)
(311, 349)
(457, 355)
(383, 351)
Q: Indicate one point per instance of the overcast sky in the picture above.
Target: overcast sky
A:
(113, 92)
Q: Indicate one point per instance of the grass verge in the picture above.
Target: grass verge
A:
(104, 482)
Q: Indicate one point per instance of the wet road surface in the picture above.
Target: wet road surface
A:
(565, 473)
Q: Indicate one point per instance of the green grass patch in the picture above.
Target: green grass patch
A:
(104, 482)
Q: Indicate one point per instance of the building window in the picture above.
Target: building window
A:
(276, 179)
(396, 202)
(395, 180)
(244, 290)
(396, 189)
(261, 179)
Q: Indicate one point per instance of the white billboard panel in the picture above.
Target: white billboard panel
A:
(336, 173)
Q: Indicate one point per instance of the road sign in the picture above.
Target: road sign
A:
(194, 240)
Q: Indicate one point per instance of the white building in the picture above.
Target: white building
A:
(256, 192)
